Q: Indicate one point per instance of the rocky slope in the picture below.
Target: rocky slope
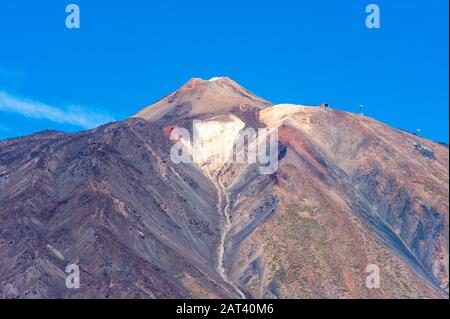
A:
(348, 192)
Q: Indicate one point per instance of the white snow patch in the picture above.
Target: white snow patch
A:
(215, 139)
(276, 114)
(216, 78)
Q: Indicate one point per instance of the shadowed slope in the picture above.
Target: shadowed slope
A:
(111, 201)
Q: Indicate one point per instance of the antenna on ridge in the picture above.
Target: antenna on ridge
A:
(361, 108)
(418, 138)
(325, 106)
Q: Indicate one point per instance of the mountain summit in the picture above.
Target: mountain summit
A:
(351, 197)
(218, 95)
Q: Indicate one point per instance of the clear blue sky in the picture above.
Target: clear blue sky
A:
(126, 56)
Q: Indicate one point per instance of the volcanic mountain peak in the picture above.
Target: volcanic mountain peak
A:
(218, 95)
(348, 192)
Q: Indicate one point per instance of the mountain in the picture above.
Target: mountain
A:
(348, 192)
(198, 97)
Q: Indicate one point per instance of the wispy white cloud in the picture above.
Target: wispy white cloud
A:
(74, 115)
